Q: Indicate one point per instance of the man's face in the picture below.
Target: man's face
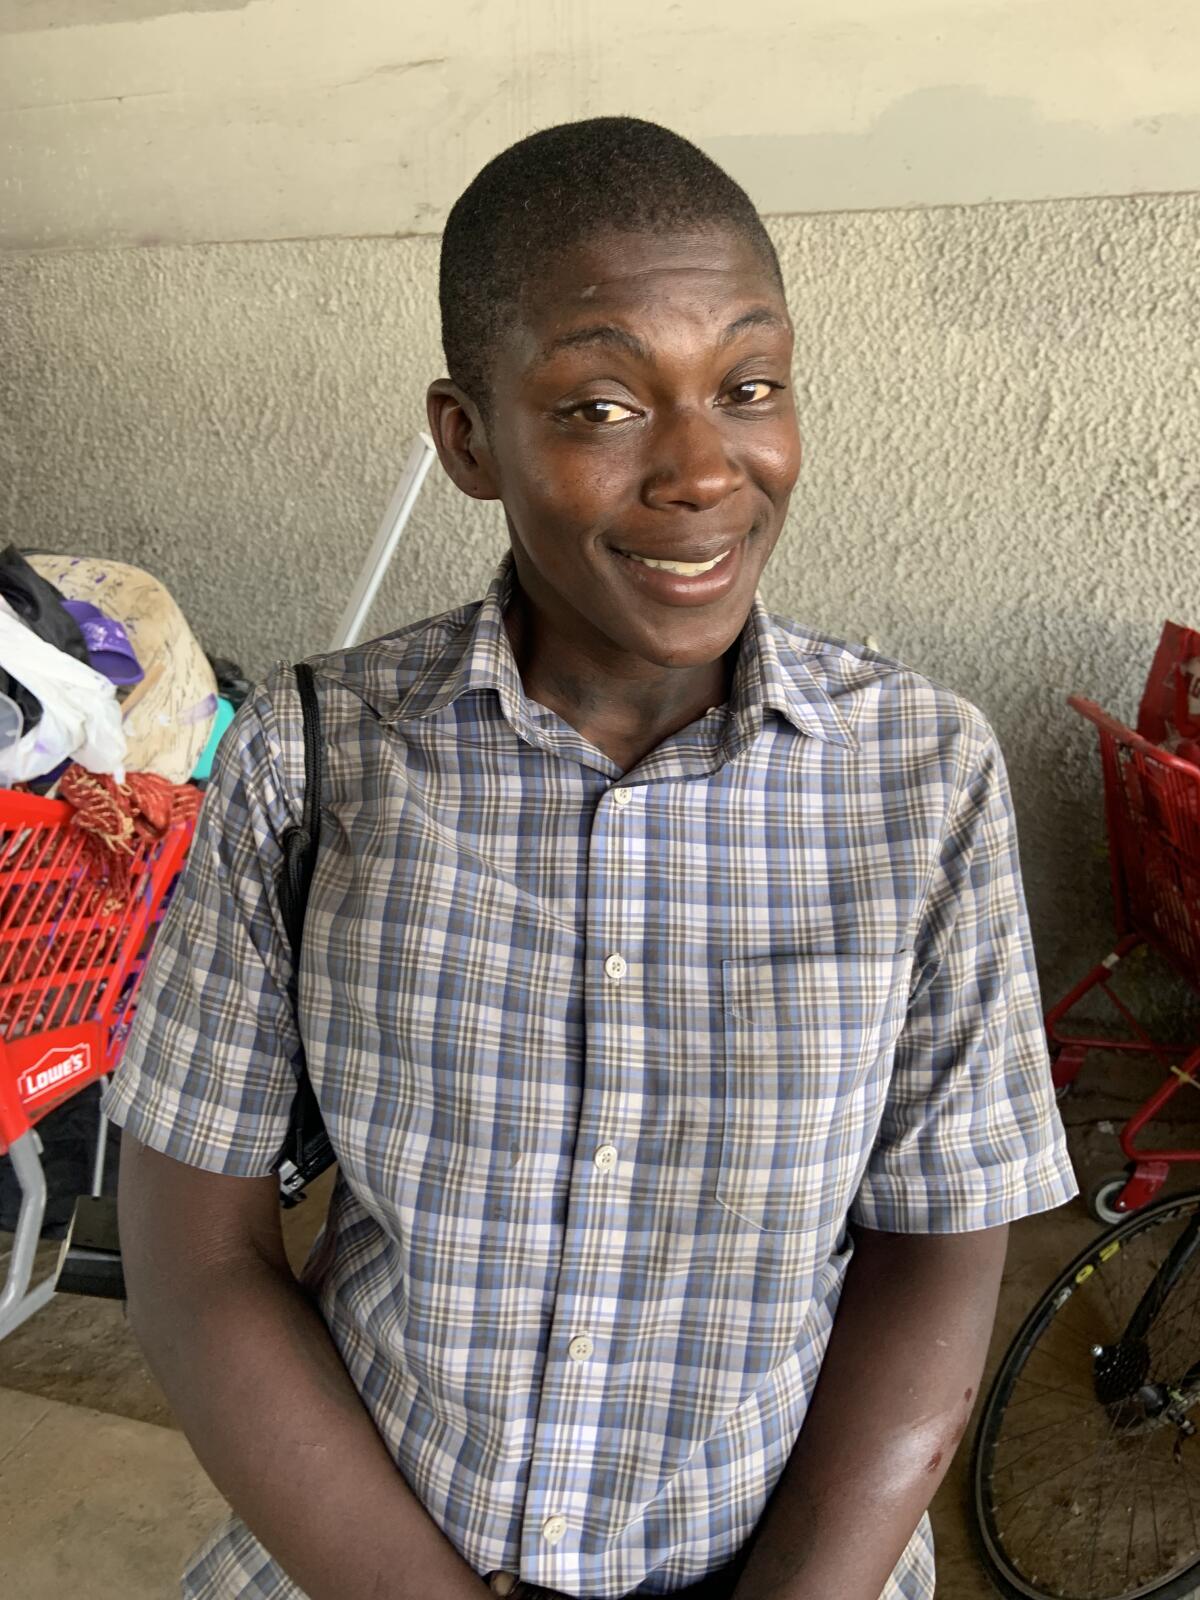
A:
(641, 406)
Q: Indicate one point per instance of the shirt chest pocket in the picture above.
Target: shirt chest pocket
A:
(808, 1041)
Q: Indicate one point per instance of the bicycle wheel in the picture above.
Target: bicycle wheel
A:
(1085, 1478)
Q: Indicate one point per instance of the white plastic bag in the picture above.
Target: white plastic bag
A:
(81, 717)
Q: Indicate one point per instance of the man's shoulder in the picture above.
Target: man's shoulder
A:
(386, 672)
(876, 694)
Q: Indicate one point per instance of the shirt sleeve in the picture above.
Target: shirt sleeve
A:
(971, 1136)
(208, 1073)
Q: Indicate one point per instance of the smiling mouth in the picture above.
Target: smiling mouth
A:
(684, 569)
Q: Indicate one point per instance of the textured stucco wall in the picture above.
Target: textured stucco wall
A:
(1002, 481)
(167, 121)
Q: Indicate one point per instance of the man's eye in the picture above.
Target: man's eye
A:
(752, 392)
(602, 411)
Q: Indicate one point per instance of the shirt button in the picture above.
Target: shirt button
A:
(580, 1347)
(616, 968)
(553, 1529)
(622, 796)
(606, 1157)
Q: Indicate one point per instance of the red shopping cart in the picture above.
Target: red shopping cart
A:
(1152, 807)
(72, 954)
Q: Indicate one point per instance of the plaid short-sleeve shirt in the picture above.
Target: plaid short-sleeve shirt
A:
(610, 1061)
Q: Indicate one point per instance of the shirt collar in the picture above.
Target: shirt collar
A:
(770, 674)
(480, 657)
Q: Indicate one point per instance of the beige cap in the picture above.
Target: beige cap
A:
(168, 716)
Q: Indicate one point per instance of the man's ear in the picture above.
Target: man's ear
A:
(461, 440)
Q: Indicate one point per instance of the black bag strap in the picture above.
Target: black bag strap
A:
(306, 1151)
(300, 842)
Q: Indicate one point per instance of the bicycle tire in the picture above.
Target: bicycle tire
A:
(1002, 1572)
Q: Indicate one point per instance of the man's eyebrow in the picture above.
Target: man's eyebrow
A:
(607, 334)
(601, 333)
(760, 317)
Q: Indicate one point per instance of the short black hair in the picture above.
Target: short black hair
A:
(554, 190)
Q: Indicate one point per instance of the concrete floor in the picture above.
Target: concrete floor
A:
(95, 1506)
(101, 1498)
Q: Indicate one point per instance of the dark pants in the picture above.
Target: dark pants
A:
(717, 1586)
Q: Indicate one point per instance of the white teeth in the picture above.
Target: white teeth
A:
(685, 569)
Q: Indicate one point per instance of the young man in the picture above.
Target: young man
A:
(666, 988)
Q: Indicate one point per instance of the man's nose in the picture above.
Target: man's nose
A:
(691, 464)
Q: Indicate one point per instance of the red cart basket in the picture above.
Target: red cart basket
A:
(72, 955)
(1152, 806)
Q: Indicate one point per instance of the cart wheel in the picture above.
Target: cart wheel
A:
(1067, 1061)
(1061, 1090)
(1102, 1195)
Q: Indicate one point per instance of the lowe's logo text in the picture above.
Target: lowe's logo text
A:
(52, 1071)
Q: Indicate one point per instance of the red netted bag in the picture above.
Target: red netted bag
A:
(117, 818)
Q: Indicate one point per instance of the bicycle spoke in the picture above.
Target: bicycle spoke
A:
(1132, 1525)
(1102, 1279)
(1182, 1470)
(1193, 1307)
(1093, 1474)
(1100, 1518)
(1140, 1478)
(1053, 1355)
(1191, 1505)
(1094, 1477)
(1187, 1495)
(1038, 1482)
(1024, 1456)
(1177, 1315)
(1087, 1340)
(1135, 1477)
(1059, 1422)
(1095, 1542)
(1032, 1542)
(1106, 1455)
(1043, 1388)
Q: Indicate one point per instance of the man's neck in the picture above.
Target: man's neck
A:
(624, 714)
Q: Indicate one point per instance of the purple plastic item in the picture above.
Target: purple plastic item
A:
(108, 646)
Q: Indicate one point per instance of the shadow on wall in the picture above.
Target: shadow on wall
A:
(32, 16)
(958, 145)
(1053, 760)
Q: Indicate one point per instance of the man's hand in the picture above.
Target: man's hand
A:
(892, 1402)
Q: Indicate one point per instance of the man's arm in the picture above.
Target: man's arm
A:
(891, 1404)
(261, 1393)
